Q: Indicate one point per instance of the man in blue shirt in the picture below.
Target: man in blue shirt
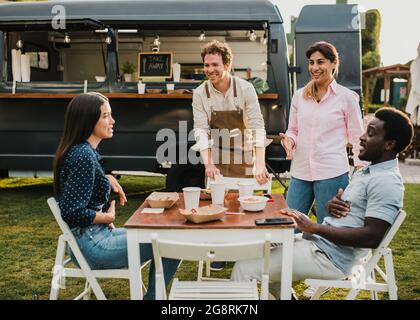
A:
(361, 214)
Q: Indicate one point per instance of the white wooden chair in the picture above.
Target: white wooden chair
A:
(193, 290)
(61, 272)
(364, 274)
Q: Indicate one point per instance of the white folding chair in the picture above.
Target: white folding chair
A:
(193, 290)
(61, 272)
(364, 274)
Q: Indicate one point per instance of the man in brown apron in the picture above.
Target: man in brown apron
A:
(228, 124)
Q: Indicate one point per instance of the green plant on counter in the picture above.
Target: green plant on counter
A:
(128, 67)
(259, 84)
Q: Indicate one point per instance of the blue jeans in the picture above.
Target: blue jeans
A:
(105, 248)
(301, 194)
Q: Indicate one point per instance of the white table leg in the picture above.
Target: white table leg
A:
(133, 250)
(287, 265)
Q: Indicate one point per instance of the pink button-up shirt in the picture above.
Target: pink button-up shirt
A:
(321, 132)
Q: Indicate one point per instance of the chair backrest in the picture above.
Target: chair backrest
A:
(67, 234)
(55, 209)
(373, 257)
(232, 183)
(205, 251)
(389, 235)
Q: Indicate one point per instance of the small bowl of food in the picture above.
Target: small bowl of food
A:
(162, 199)
(209, 213)
(253, 203)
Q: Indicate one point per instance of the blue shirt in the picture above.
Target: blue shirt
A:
(376, 191)
(84, 188)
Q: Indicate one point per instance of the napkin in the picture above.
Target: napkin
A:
(153, 210)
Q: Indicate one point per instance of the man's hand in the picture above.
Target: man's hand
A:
(117, 188)
(261, 175)
(212, 171)
(288, 145)
(337, 207)
(302, 221)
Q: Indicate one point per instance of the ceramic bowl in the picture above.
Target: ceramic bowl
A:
(253, 203)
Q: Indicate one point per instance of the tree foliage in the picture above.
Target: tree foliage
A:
(370, 39)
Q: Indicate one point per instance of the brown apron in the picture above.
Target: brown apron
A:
(232, 160)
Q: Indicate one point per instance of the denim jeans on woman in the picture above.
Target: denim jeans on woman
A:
(301, 194)
(105, 248)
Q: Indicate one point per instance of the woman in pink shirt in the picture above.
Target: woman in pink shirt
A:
(324, 117)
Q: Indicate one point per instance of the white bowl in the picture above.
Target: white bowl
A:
(253, 203)
(100, 78)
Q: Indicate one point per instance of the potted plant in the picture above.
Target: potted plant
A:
(128, 69)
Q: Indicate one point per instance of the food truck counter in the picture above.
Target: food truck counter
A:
(120, 95)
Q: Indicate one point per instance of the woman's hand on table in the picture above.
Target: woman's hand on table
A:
(288, 145)
(116, 187)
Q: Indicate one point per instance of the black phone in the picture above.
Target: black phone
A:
(273, 221)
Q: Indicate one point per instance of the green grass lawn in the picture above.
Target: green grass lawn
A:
(29, 233)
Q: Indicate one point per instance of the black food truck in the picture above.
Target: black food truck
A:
(69, 47)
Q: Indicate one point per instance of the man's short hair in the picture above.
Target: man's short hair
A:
(397, 127)
(217, 47)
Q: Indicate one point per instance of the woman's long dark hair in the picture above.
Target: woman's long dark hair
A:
(82, 114)
(330, 53)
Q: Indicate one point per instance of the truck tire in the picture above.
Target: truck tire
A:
(185, 175)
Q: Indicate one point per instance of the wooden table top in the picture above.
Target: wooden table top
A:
(172, 219)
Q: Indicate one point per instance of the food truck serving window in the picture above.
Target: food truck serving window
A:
(58, 56)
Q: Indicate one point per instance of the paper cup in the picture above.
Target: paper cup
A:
(246, 189)
(170, 86)
(141, 87)
(191, 197)
(217, 192)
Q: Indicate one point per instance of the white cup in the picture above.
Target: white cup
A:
(170, 86)
(191, 197)
(217, 192)
(141, 87)
(246, 189)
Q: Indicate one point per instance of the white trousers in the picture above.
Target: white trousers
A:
(308, 262)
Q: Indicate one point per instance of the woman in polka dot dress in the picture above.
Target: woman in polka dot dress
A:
(82, 189)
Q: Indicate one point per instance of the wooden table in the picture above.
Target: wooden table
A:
(232, 228)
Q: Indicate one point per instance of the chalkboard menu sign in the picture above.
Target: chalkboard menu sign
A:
(155, 64)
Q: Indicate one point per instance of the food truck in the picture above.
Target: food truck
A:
(145, 57)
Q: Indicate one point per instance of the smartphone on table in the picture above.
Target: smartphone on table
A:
(273, 221)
